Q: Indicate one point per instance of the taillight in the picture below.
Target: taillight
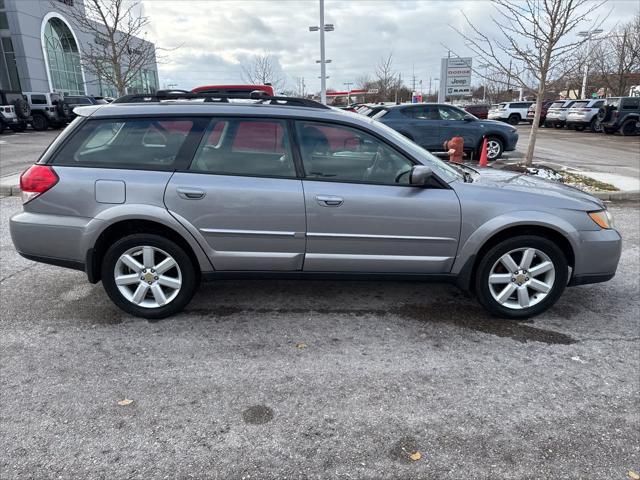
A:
(36, 180)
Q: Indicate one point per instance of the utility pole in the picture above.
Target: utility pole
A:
(328, 27)
(348, 85)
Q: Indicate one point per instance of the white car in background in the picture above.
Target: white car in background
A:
(512, 112)
(584, 114)
(557, 113)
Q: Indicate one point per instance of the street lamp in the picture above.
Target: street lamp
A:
(588, 34)
(326, 27)
(484, 89)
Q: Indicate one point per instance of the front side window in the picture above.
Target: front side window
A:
(243, 146)
(451, 113)
(340, 153)
(126, 143)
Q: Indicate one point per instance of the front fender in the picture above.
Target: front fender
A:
(470, 246)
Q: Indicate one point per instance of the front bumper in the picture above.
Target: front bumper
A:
(597, 256)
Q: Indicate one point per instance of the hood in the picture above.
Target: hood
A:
(555, 191)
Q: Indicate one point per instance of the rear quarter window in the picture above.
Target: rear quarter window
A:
(38, 99)
(132, 143)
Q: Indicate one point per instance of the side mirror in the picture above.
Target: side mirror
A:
(420, 175)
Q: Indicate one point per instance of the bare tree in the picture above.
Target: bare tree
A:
(616, 57)
(263, 69)
(535, 35)
(387, 81)
(116, 55)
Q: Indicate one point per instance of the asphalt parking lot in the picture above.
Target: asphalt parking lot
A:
(318, 380)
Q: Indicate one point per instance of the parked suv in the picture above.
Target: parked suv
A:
(557, 113)
(47, 110)
(531, 112)
(584, 114)
(478, 110)
(14, 111)
(74, 101)
(512, 112)
(152, 198)
(430, 124)
(620, 114)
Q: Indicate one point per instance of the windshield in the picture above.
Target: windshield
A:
(445, 171)
(613, 102)
(580, 104)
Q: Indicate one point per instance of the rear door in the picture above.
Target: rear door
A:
(242, 195)
(362, 214)
(422, 122)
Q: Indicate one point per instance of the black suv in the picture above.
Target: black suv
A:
(430, 124)
(82, 101)
(14, 111)
(620, 114)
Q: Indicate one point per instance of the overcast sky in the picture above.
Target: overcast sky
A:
(212, 38)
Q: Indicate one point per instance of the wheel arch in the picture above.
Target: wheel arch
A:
(467, 268)
(121, 227)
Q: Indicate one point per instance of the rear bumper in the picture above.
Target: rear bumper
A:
(54, 239)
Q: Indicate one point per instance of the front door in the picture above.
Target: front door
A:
(242, 195)
(362, 214)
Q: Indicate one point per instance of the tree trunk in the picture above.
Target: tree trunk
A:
(528, 161)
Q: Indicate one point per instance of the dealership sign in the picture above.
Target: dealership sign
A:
(455, 77)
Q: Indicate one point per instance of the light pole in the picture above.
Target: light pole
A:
(324, 27)
(348, 85)
(484, 88)
(588, 34)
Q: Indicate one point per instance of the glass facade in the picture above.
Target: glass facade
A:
(64, 58)
(10, 59)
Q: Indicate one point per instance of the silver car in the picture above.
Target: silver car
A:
(151, 198)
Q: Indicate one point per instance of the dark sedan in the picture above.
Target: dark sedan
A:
(430, 124)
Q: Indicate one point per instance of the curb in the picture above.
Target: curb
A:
(10, 185)
(617, 196)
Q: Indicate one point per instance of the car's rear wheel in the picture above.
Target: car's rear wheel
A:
(521, 277)
(514, 119)
(495, 148)
(595, 125)
(148, 276)
(39, 122)
(630, 127)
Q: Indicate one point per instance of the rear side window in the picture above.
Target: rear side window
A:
(579, 105)
(38, 99)
(556, 104)
(132, 143)
(245, 147)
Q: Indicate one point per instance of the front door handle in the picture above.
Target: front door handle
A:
(329, 201)
(190, 193)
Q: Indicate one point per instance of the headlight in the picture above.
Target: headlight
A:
(603, 218)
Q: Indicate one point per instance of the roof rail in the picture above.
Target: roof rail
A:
(258, 95)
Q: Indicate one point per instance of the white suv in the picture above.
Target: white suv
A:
(584, 113)
(512, 112)
(557, 113)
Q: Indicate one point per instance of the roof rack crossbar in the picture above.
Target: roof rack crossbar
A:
(258, 96)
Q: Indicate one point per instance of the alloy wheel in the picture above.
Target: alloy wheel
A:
(148, 276)
(493, 149)
(521, 278)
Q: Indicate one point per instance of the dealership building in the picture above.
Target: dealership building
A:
(41, 51)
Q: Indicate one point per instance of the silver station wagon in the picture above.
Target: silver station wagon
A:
(152, 194)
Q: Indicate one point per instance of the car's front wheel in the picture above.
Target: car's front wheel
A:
(495, 148)
(148, 276)
(521, 277)
(39, 123)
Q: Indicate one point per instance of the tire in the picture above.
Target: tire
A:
(148, 306)
(22, 108)
(558, 125)
(63, 109)
(2, 126)
(595, 126)
(496, 148)
(604, 113)
(546, 251)
(629, 128)
(39, 122)
(514, 119)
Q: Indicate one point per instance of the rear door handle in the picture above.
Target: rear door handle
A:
(190, 193)
(329, 201)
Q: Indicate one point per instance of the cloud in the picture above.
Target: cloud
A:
(213, 38)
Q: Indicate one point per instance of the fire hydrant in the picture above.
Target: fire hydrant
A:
(455, 149)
